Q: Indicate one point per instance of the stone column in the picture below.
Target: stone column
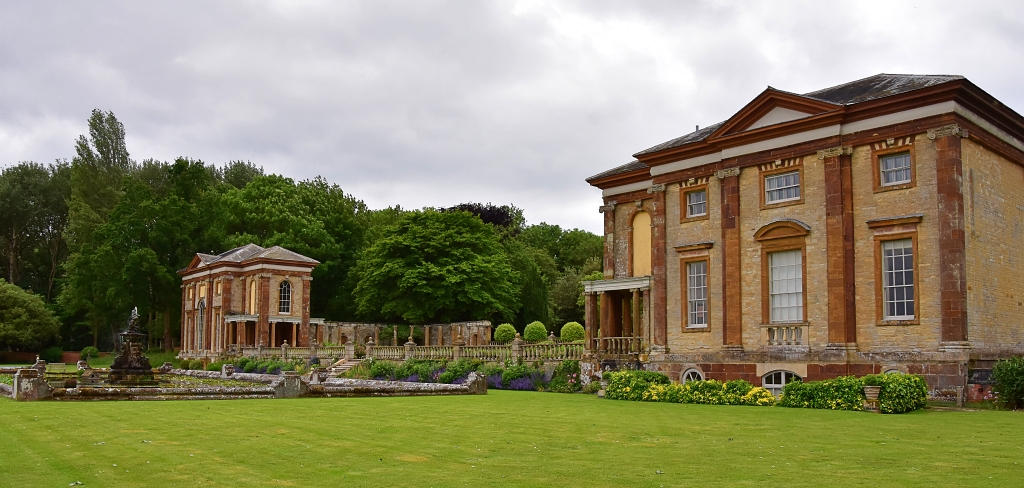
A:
(426, 335)
(645, 320)
(732, 312)
(952, 238)
(659, 270)
(637, 311)
(295, 334)
(263, 294)
(841, 281)
(609, 238)
(606, 321)
(369, 348)
(591, 320)
(394, 335)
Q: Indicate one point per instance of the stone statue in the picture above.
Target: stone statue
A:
(131, 367)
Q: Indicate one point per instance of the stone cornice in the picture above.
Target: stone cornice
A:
(948, 130)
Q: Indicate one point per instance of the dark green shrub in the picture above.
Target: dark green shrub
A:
(241, 363)
(196, 364)
(248, 368)
(383, 370)
(572, 331)
(631, 385)
(1008, 382)
(214, 366)
(535, 332)
(900, 392)
(504, 333)
(89, 353)
(592, 387)
(52, 354)
(458, 370)
(842, 393)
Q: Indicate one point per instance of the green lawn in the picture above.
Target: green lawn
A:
(501, 439)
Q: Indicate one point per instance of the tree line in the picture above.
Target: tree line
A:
(96, 236)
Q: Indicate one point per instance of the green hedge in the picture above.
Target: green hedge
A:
(572, 331)
(631, 385)
(900, 392)
(1008, 382)
(842, 393)
(504, 333)
(535, 332)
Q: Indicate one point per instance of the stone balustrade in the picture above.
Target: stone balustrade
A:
(621, 345)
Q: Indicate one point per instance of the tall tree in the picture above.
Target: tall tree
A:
(313, 218)
(21, 197)
(437, 267)
(100, 163)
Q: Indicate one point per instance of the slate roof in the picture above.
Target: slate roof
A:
(625, 168)
(870, 88)
(249, 252)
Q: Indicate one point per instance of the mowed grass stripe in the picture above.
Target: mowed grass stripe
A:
(501, 439)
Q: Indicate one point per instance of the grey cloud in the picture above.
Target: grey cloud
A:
(436, 103)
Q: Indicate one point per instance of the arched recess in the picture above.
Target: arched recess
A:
(640, 245)
(782, 229)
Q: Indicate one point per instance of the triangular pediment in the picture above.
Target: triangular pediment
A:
(773, 107)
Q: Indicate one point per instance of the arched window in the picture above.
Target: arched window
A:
(776, 380)
(641, 244)
(284, 302)
(692, 374)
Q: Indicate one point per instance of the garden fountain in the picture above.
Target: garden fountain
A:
(131, 367)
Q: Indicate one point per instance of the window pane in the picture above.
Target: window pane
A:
(696, 203)
(697, 293)
(782, 187)
(786, 287)
(898, 279)
(895, 169)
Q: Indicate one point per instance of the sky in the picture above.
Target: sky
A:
(436, 103)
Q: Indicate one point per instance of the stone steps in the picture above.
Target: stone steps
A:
(342, 366)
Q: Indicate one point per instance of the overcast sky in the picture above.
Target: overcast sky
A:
(431, 103)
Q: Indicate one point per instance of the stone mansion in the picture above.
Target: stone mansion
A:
(869, 227)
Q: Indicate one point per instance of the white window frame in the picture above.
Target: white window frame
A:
(786, 286)
(775, 381)
(697, 294)
(692, 374)
(894, 295)
(284, 298)
(883, 171)
(781, 189)
(690, 204)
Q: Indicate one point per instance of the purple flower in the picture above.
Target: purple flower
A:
(494, 381)
(414, 378)
(523, 384)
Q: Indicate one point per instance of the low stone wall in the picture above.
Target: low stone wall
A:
(6, 390)
(361, 388)
(199, 393)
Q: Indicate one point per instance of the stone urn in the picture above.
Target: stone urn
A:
(871, 393)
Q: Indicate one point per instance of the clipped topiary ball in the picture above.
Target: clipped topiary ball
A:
(504, 333)
(572, 331)
(535, 332)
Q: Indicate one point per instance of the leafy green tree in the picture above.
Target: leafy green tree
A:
(34, 202)
(25, 322)
(240, 173)
(567, 293)
(313, 218)
(100, 163)
(569, 248)
(437, 267)
(533, 286)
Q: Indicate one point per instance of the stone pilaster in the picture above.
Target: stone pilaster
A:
(659, 274)
(732, 309)
(609, 239)
(839, 244)
(952, 239)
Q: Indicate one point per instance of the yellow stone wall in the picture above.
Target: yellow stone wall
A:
(810, 212)
(994, 223)
(679, 338)
(869, 205)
